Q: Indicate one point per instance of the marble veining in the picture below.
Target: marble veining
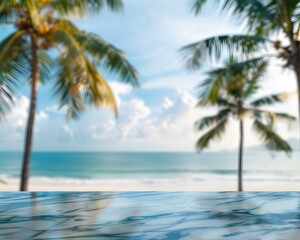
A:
(150, 215)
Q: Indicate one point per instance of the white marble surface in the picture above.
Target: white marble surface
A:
(150, 215)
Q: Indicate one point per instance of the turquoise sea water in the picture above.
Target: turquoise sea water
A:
(150, 167)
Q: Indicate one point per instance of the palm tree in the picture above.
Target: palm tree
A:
(263, 20)
(6, 97)
(55, 49)
(12, 71)
(237, 83)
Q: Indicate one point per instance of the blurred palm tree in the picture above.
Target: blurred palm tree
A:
(263, 20)
(6, 97)
(45, 41)
(12, 72)
(231, 90)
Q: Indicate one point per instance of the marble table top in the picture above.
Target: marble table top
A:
(149, 215)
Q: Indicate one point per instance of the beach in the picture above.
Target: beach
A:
(200, 187)
(57, 171)
(212, 187)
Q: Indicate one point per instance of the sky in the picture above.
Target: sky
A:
(158, 116)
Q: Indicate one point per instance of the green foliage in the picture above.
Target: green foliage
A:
(270, 138)
(213, 133)
(215, 48)
(231, 90)
(76, 58)
(6, 98)
(261, 17)
(81, 8)
(14, 69)
(14, 9)
(248, 70)
(268, 100)
(207, 122)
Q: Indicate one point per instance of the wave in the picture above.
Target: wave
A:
(180, 179)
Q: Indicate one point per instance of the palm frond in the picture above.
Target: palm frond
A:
(256, 71)
(68, 90)
(100, 93)
(236, 7)
(250, 70)
(212, 134)
(215, 48)
(9, 44)
(108, 57)
(270, 138)
(260, 16)
(267, 100)
(33, 11)
(14, 51)
(14, 69)
(6, 99)
(80, 84)
(46, 66)
(247, 68)
(207, 122)
(270, 117)
(9, 10)
(250, 90)
(209, 89)
(236, 67)
(219, 102)
(81, 8)
(198, 5)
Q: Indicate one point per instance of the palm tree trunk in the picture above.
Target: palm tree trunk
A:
(31, 117)
(297, 71)
(240, 174)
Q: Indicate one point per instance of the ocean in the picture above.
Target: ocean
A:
(149, 168)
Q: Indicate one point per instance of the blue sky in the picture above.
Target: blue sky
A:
(160, 115)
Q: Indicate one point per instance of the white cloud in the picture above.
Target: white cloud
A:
(13, 128)
(132, 113)
(53, 109)
(69, 131)
(41, 116)
(138, 128)
(120, 89)
(170, 129)
(18, 114)
(167, 103)
(101, 132)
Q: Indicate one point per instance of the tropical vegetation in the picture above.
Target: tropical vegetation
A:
(12, 72)
(46, 46)
(231, 91)
(272, 26)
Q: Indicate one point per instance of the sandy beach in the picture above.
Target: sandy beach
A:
(205, 187)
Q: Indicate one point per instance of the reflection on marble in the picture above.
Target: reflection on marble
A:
(149, 215)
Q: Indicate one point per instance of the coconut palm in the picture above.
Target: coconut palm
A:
(12, 71)
(6, 97)
(55, 50)
(263, 20)
(237, 84)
